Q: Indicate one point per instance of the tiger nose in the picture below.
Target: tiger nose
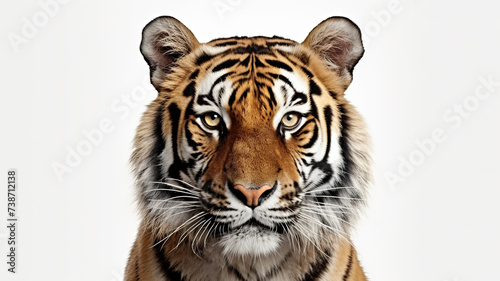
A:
(251, 196)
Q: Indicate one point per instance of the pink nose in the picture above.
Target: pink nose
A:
(252, 195)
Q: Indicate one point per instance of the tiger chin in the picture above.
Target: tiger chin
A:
(250, 164)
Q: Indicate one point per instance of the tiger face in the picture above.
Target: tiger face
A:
(250, 146)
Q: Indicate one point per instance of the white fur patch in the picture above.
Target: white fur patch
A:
(250, 240)
(220, 105)
(284, 100)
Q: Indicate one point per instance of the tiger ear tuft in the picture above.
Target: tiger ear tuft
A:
(338, 41)
(164, 41)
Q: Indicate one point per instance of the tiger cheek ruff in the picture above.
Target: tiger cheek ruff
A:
(250, 164)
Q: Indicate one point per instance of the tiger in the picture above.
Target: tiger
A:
(250, 164)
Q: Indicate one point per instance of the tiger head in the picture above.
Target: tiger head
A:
(250, 144)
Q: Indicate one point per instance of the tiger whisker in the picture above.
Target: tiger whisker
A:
(191, 205)
(299, 228)
(315, 211)
(326, 204)
(330, 189)
(291, 235)
(321, 224)
(183, 212)
(188, 221)
(329, 215)
(339, 197)
(208, 233)
(184, 182)
(173, 198)
(169, 189)
(188, 231)
(176, 186)
(164, 240)
(202, 227)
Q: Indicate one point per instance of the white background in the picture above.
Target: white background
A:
(81, 66)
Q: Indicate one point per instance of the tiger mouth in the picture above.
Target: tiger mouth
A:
(256, 224)
(251, 224)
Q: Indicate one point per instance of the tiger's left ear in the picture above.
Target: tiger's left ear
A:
(165, 40)
(338, 42)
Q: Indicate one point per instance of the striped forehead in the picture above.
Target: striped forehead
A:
(239, 72)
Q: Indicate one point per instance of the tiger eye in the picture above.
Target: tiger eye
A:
(211, 120)
(290, 120)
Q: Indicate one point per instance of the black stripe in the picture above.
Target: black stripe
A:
(348, 269)
(314, 108)
(194, 75)
(307, 72)
(271, 95)
(299, 98)
(303, 57)
(137, 277)
(279, 43)
(222, 78)
(159, 145)
(252, 49)
(227, 43)
(327, 175)
(271, 100)
(190, 89)
(203, 100)
(344, 145)
(246, 61)
(313, 139)
(200, 173)
(314, 88)
(243, 76)
(243, 96)
(225, 64)
(317, 269)
(234, 271)
(222, 90)
(170, 273)
(258, 63)
(284, 79)
(328, 122)
(300, 133)
(189, 136)
(203, 58)
(232, 97)
(323, 165)
(333, 94)
(280, 65)
(175, 114)
(265, 77)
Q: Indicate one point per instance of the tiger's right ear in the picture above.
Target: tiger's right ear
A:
(164, 41)
(338, 42)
